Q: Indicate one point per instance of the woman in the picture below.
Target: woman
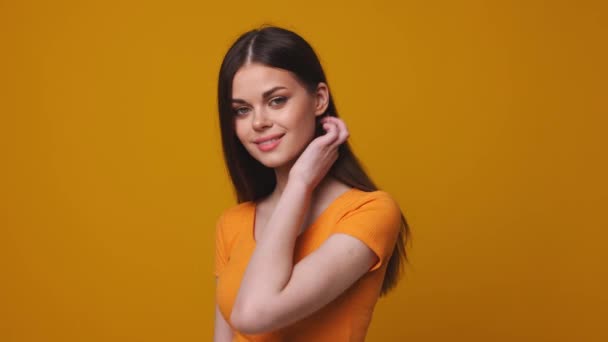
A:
(313, 243)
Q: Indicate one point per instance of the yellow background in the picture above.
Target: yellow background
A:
(485, 120)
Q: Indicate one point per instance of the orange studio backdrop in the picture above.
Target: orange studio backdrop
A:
(486, 120)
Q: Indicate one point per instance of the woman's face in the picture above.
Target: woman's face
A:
(269, 102)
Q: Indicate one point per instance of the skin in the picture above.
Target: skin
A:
(274, 292)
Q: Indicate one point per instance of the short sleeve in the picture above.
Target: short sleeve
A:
(220, 247)
(376, 221)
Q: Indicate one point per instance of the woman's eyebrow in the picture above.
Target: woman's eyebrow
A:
(265, 95)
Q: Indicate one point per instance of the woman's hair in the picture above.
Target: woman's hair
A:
(280, 48)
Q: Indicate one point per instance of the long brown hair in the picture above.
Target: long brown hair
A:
(280, 48)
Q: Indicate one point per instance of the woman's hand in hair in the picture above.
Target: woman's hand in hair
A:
(318, 157)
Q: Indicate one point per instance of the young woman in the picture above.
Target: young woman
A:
(312, 242)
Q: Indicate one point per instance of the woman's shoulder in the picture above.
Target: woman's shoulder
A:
(379, 197)
(236, 212)
(232, 219)
(355, 202)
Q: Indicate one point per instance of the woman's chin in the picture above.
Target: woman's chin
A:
(270, 163)
(274, 162)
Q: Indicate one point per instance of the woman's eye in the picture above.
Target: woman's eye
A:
(278, 100)
(240, 111)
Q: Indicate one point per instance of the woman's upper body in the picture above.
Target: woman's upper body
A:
(373, 218)
(312, 243)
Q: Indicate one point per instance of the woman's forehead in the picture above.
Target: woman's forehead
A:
(251, 81)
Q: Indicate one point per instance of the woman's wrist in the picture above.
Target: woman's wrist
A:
(299, 186)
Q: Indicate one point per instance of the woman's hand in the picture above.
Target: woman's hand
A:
(318, 157)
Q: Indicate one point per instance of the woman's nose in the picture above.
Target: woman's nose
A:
(261, 120)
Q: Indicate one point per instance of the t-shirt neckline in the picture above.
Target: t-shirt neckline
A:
(330, 207)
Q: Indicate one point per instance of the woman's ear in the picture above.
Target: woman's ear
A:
(321, 98)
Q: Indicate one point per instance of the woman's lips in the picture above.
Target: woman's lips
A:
(271, 144)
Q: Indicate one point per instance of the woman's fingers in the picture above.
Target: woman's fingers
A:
(343, 133)
(332, 134)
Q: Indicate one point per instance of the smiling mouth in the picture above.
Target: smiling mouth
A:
(269, 145)
(271, 140)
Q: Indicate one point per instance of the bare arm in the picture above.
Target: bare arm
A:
(222, 331)
(274, 293)
(271, 264)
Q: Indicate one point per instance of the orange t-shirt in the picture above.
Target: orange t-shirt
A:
(372, 217)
